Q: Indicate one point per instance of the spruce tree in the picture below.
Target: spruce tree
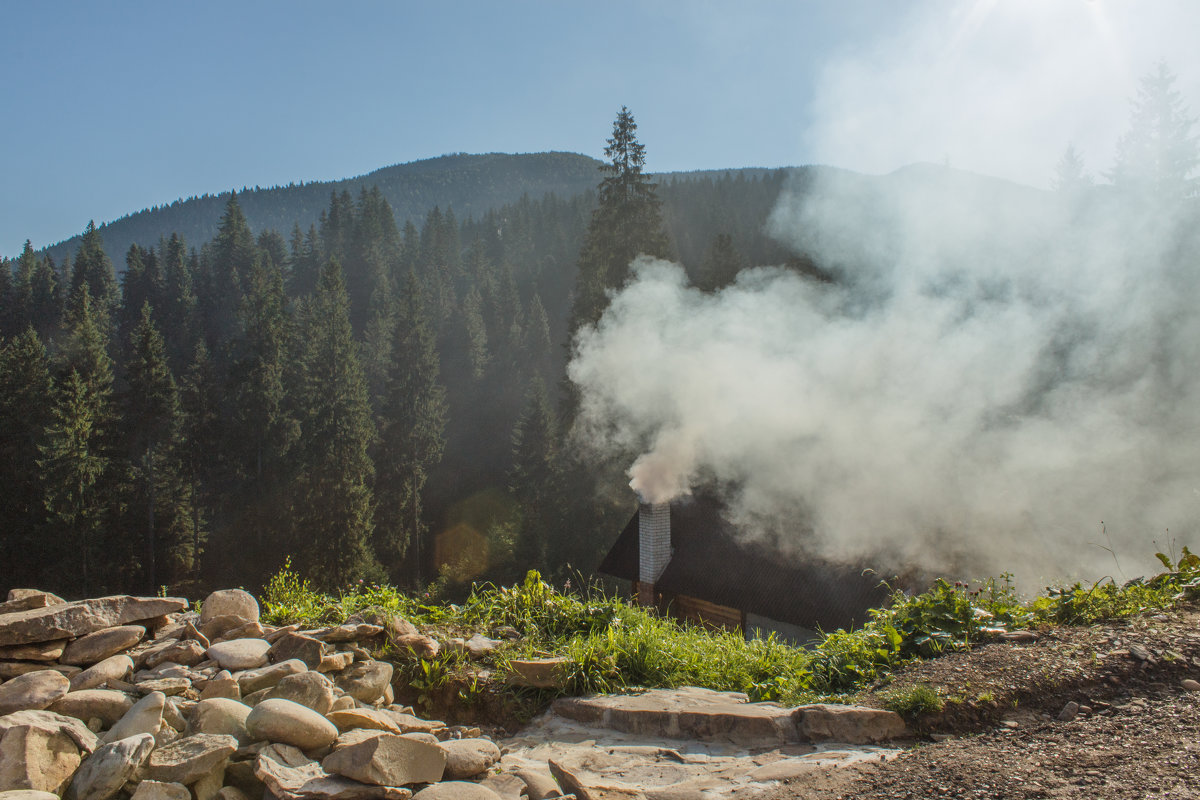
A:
(1159, 153)
(92, 270)
(413, 435)
(533, 478)
(721, 264)
(333, 520)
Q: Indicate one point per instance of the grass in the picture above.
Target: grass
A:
(612, 645)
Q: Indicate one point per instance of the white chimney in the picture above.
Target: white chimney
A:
(654, 546)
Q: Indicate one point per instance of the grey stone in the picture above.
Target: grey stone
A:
(27, 794)
(106, 705)
(290, 775)
(850, 724)
(145, 716)
(161, 790)
(252, 680)
(39, 651)
(25, 599)
(295, 645)
(456, 790)
(310, 689)
(240, 654)
(466, 758)
(386, 759)
(538, 785)
(229, 602)
(539, 673)
(222, 716)
(33, 690)
(186, 652)
(365, 681)
(54, 723)
(1069, 712)
(33, 757)
(113, 668)
(190, 758)
(102, 644)
(106, 770)
(290, 723)
(81, 618)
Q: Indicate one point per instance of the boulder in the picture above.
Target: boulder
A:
(113, 668)
(252, 680)
(311, 689)
(80, 618)
(231, 793)
(247, 630)
(466, 758)
(53, 723)
(221, 686)
(39, 651)
(25, 599)
(102, 644)
(410, 723)
(106, 705)
(144, 716)
(186, 652)
(207, 787)
(335, 662)
(33, 690)
(229, 602)
(220, 715)
(190, 758)
(538, 785)
(386, 759)
(365, 681)
(217, 627)
(290, 723)
(539, 673)
(298, 646)
(106, 770)
(167, 686)
(371, 719)
(32, 757)
(160, 790)
(27, 794)
(849, 724)
(240, 654)
(456, 790)
(290, 775)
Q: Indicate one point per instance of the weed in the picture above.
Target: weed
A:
(915, 700)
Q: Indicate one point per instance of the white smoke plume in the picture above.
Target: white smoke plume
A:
(993, 372)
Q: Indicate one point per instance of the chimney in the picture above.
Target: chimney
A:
(654, 547)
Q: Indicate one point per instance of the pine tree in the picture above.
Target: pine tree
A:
(476, 333)
(20, 306)
(333, 500)
(93, 270)
(1069, 175)
(533, 477)
(159, 501)
(179, 325)
(1159, 153)
(627, 222)
(199, 400)
(412, 438)
(721, 265)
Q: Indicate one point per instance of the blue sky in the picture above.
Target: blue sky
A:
(111, 107)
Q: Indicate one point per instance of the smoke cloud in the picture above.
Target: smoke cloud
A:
(993, 372)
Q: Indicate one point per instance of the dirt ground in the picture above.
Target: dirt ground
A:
(1007, 730)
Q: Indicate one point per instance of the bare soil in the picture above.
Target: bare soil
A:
(1136, 733)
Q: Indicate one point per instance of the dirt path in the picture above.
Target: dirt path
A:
(1136, 732)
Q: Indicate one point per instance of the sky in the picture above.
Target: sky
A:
(113, 107)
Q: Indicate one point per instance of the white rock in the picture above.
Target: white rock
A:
(104, 704)
(113, 668)
(160, 790)
(239, 654)
(190, 758)
(102, 644)
(145, 716)
(229, 602)
(466, 758)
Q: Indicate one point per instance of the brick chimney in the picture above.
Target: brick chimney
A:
(654, 547)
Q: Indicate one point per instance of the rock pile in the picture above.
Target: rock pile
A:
(137, 697)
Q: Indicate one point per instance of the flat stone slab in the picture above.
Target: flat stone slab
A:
(686, 713)
(68, 620)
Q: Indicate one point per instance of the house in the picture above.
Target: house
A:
(687, 560)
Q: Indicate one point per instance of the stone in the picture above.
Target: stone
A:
(456, 790)
(217, 627)
(167, 686)
(335, 662)
(229, 602)
(186, 652)
(290, 723)
(1190, 685)
(190, 758)
(538, 785)
(311, 689)
(386, 759)
(33, 690)
(32, 757)
(365, 681)
(252, 680)
(538, 673)
(344, 703)
(423, 647)
(100, 645)
(53, 723)
(27, 794)
(39, 651)
(410, 723)
(574, 786)
(351, 632)
(190, 631)
(241, 774)
(103, 704)
(479, 645)
(397, 626)
(231, 793)
(849, 724)
(422, 736)
(364, 718)
(247, 630)
(1069, 712)
(106, 770)
(80, 618)
(220, 715)
(161, 790)
(144, 716)
(113, 668)
(25, 599)
(240, 654)
(11, 669)
(225, 686)
(207, 786)
(290, 775)
(295, 645)
(1020, 636)
(466, 758)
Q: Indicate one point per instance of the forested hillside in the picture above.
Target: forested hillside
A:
(374, 399)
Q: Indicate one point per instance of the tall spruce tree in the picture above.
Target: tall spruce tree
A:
(413, 435)
(334, 512)
(533, 478)
(1159, 153)
(92, 270)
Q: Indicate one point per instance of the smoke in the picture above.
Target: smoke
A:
(993, 372)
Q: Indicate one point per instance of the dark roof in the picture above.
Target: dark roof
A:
(712, 562)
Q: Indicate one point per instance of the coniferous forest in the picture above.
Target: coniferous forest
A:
(370, 396)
